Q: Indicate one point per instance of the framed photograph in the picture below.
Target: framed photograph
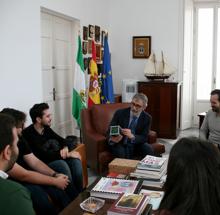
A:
(102, 38)
(89, 46)
(84, 47)
(91, 31)
(98, 52)
(86, 63)
(97, 33)
(85, 33)
(141, 46)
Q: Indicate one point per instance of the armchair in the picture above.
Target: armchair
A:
(95, 122)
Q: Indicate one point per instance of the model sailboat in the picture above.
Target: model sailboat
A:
(159, 70)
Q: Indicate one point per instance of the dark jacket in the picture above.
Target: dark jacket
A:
(122, 116)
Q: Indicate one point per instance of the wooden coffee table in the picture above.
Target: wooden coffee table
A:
(74, 206)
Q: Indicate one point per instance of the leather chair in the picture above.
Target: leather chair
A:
(95, 123)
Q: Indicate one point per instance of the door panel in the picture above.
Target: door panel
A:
(205, 57)
(57, 70)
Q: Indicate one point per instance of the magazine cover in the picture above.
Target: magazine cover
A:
(115, 185)
(129, 203)
(155, 197)
(152, 161)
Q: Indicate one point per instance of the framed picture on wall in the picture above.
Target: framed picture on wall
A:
(86, 63)
(89, 46)
(85, 47)
(98, 52)
(141, 46)
(91, 31)
(102, 38)
(85, 33)
(97, 33)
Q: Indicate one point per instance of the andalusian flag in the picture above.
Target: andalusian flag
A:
(94, 89)
(79, 96)
(107, 85)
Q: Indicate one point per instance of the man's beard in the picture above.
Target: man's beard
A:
(48, 124)
(12, 161)
(215, 109)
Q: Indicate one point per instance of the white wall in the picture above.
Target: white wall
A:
(20, 52)
(156, 18)
(20, 63)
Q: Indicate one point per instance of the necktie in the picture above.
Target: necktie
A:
(132, 125)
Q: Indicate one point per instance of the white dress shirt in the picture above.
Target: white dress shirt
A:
(3, 174)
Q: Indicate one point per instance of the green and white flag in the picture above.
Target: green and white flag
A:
(79, 87)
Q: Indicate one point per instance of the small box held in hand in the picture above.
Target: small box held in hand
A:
(115, 130)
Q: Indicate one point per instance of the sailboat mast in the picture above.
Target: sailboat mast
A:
(163, 62)
(154, 60)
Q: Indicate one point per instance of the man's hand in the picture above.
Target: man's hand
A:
(60, 174)
(61, 181)
(64, 152)
(116, 139)
(127, 133)
(73, 154)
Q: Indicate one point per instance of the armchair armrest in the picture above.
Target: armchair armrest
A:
(152, 137)
(95, 143)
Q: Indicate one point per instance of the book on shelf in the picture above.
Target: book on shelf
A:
(155, 197)
(111, 188)
(129, 203)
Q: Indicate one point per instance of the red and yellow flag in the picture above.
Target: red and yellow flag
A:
(94, 88)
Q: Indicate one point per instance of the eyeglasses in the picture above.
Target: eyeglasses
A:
(136, 105)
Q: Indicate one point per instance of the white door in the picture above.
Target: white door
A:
(186, 104)
(57, 53)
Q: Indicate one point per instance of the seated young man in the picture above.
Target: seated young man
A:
(14, 198)
(134, 125)
(40, 179)
(52, 148)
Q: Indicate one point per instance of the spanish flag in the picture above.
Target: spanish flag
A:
(94, 88)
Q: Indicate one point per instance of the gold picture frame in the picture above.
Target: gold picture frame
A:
(141, 46)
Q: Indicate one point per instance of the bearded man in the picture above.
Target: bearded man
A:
(14, 198)
(210, 129)
(134, 125)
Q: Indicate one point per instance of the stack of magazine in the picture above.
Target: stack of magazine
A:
(129, 203)
(152, 170)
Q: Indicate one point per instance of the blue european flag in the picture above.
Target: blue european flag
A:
(107, 93)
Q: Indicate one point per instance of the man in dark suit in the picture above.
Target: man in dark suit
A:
(134, 128)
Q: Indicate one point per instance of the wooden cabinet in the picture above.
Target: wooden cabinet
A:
(163, 106)
(117, 98)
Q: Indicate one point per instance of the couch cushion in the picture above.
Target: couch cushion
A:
(102, 115)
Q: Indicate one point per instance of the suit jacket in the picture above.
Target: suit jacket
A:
(122, 116)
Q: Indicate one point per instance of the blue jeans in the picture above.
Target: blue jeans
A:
(71, 167)
(41, 202)
(130, 151)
